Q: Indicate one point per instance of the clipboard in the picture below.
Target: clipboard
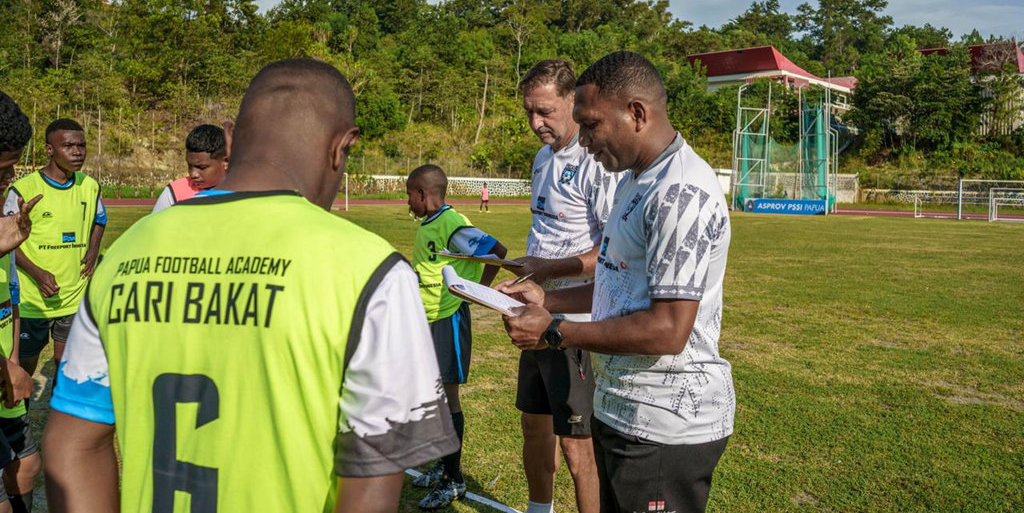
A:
(483, 259)
(477, 293)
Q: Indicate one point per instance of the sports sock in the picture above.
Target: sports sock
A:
(540, 507)
(453, 462)
(21, 503)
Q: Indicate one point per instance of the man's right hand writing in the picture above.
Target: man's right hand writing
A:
(528, 291)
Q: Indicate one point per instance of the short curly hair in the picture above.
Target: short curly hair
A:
(15, 130)
(62, 124)
(624, 71)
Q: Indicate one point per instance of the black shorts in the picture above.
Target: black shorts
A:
(17, 441)
(35, 333)
(453, 344)
(639, 475)
(560, 384)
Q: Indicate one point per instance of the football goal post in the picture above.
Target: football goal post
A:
(1008, 198)
(977, 196)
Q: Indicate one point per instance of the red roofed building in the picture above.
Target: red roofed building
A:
(1006, 114)
(989, 57)
(731, 67)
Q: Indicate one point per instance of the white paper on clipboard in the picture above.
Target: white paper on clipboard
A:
(477, 293)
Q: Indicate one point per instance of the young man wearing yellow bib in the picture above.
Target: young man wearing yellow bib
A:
(58, 258)
(19, 455)
(246, 365)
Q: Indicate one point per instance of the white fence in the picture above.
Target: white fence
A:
(911, 196)
(514, 187)
(457, 185)
(845, 189)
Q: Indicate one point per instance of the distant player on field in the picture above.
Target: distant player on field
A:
(444, 228)
(206, 155)
(244, 364)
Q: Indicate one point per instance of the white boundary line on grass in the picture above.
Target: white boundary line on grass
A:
(474, 497)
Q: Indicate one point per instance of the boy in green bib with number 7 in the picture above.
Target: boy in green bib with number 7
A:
(55, 263)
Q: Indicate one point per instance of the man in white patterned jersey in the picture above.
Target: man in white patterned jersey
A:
(664, 398)
(571, 198)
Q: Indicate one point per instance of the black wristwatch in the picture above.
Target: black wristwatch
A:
(552, 336)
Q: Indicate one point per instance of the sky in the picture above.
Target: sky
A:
(999, 17)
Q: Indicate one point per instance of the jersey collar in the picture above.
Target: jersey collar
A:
(210, 196)
(436, 214)
(575, 140)
(673, 147)
(62, 186)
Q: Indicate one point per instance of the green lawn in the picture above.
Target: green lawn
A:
(878, 363)
(967, 208)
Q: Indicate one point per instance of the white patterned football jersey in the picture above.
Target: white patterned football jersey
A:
(572, 197)
(667, 238)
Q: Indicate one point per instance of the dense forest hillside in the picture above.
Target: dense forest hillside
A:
(437, 82)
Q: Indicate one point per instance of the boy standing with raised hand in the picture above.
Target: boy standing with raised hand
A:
(444, 228)
(19, 453)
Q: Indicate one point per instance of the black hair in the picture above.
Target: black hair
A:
(430, 178)
(62, 124)
(309, 70)
(15, 130)
(624, 71)
(207, 138)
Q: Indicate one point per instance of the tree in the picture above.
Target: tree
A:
(923, 102)
(764, 19)
(974, 38)
(522, 20)
(840, 31)
(396, 15)
(579, 15)
(55, 24)
(378, 111)
(926, 36)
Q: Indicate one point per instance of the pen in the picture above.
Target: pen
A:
(521, 278)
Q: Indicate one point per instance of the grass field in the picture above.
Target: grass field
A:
(878, 364)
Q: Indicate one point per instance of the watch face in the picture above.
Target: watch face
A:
(552, 336)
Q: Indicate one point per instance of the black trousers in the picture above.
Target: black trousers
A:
(638, 475)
